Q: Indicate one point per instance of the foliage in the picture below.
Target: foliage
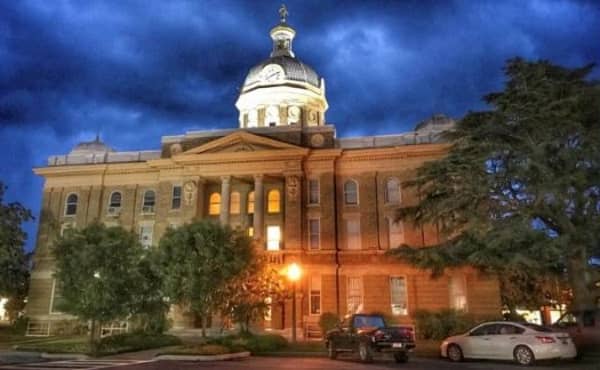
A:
(519, 190)
(328, 321)
(14, 261)
(19, 325)
(95, 270)
(199, 350)
(199, 260)
(441, 324)
(249, 295)
(253, 343)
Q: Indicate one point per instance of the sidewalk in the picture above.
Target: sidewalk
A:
(16, 357)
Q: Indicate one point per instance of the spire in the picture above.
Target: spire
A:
(282, 35)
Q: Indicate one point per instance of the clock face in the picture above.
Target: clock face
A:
(272, 72)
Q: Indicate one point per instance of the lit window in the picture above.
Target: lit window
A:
(176, 197)
(273, 238)
(250, 203)
(234, 203)
(350, 192)
(214, 204)
(395, 233)
(250, 231)
(274, 201)
(146, 235)
(268, 311)
(315, 295)
(71, 205)
(353, 234)
(56, 301)
(354, 295)
(313, 191)
(272, 118)
(149, 201)
(314, 233)
(458, 292)
(115, 200)
(398, 296)
(392, 191)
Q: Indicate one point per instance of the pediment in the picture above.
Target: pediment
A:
(240, 142)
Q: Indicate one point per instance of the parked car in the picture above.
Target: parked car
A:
(587, 335)
(505, 340)
(367, 335)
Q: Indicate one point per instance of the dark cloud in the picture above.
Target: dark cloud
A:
(136, 70)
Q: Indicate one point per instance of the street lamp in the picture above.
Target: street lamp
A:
(294, 272)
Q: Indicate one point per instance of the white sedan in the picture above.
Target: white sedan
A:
(505, 340)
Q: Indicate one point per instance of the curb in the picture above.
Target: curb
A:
(224, 357)
(291, 354)
(64, 356)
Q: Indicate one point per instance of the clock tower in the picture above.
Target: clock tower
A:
(281, 90)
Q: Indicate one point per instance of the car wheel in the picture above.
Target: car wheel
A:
(524, 356)
(331, 351)
(364, 352)
(454, 353)
(401, 357)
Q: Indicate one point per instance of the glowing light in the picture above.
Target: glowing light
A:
(294, 272)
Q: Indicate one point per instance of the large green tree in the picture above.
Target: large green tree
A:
(14, 260)
(199, 260)
(102, 274)
(518, 193)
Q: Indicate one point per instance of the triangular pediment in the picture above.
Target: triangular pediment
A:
(241, 142)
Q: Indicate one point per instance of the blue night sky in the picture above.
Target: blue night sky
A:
(136, 70)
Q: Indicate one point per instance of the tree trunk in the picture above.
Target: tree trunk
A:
(203, 321)
(578, 271)
(93, 337)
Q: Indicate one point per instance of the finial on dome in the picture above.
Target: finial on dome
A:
(283, 13)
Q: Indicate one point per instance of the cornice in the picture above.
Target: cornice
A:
(405, 151)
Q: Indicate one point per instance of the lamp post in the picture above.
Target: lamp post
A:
(294, 272)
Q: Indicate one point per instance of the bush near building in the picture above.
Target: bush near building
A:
(437, 325)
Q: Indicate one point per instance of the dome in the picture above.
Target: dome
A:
(294, 70)
(95, 146)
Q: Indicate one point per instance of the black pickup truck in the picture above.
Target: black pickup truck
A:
(369, 335)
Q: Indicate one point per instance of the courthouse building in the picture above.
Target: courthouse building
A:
(305, 195)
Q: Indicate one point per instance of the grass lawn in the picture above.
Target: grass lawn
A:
(107, 346)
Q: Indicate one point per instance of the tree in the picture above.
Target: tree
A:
(518, 193)
(14, 261)
(98, 273)
(250, 295)
(198, 261)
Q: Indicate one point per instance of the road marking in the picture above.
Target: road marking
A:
(72, 364)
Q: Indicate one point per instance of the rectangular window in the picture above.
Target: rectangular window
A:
(56, 300)
(398, 295)
(313, 191)
(269, 310)
(250, 231)
(396, 233)
(353, 234)
(146, 235)
(65, 227)
(458, 292)
(315, 295)
(176, 198)
(354, 295)
(314, 233)
(273, 238)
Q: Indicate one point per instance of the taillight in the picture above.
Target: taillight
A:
(545, 340)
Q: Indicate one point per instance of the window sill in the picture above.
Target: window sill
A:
(147, 213)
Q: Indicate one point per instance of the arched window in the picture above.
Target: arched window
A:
(214, 204)
(149, 201)
(234, 203)
(250, 203)
(115, 200)
(350, 192)
(392, 191)
(71, 205)
(274, 201)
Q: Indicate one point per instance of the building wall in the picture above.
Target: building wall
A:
(370, 168)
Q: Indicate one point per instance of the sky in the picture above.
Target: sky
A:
(134, 71)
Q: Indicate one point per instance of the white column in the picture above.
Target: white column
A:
(259, 207)
(225, 195)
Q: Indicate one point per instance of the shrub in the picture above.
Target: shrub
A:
(19, 326)
(328, 321)
(135, 342)
(441, 324)
(252, 343)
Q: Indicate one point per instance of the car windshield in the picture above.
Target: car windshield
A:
(368, 322)
(537, 327)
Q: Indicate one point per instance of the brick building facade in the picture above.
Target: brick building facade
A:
(306, 196)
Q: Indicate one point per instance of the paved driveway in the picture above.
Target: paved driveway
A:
(288, 363)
